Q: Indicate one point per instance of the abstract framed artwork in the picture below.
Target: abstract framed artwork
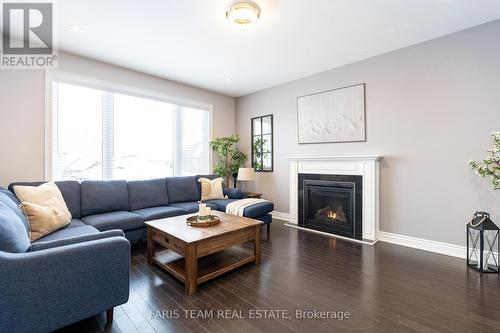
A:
(336, 115)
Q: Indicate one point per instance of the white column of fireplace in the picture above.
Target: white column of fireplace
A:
(366, 166)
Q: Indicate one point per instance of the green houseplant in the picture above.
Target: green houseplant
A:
(230, 159)
(490, 166)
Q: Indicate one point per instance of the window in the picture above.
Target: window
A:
(262, 143)
(99, 134)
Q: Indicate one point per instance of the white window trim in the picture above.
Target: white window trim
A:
(88, 82)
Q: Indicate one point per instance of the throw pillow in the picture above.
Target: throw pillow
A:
(43, 220)
(211, 189)
(44, 207)
(47, 194)
(13, 235)
(13, 203)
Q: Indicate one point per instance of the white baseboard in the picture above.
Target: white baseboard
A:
(408, 241)
(423, 244)
(362, 241)
(281, 216)
(429, 245)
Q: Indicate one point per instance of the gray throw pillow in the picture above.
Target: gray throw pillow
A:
(13, 235)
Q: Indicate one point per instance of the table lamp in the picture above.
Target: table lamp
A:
(246, 175)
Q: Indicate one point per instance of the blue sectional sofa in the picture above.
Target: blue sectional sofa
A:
(67, 276)
(83, 268)
(118, 204)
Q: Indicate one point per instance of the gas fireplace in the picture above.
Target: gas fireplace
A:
(331, 203)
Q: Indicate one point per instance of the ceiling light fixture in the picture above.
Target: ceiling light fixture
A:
(242, 13)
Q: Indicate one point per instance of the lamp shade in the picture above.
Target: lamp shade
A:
(246, 174)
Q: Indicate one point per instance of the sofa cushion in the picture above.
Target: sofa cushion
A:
(259, 209)
(220, 204)
(13, 203)
(101, 196)
(182, 189)
(70, 191)
(191, 207)
(83, 238)
(67, 232)
(254, 211)
(75, 223)
(13, 235)
(147, 193)
(154, 213)
(233, 193)
(115, 220)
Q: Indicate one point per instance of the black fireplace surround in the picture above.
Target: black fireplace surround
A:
(331, 203)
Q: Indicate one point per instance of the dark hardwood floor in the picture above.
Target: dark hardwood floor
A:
(385, 288)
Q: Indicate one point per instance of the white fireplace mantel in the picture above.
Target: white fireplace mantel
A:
(366, 166)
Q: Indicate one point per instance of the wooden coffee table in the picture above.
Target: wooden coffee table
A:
(195, 255)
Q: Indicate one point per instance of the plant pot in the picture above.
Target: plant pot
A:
(235, 176)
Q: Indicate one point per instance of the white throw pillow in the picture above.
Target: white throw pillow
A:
(211, 189)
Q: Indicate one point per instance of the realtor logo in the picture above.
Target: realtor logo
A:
(28, 32)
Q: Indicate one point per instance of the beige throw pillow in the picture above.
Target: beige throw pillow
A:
(45, 205)
(43, 220)
(211, 189)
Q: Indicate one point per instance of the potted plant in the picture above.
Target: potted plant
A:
(490, 166)
(230, 159)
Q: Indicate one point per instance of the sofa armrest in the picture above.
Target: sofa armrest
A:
(48, 289)
(75, 240)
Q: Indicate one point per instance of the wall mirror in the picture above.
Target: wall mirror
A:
(262, 143)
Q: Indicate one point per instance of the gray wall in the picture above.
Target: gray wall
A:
(22, 107)
(430, 108)
(22, 103)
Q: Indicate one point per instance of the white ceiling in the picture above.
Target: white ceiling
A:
(189, 40)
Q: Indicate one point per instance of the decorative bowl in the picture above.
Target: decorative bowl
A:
(193, 221)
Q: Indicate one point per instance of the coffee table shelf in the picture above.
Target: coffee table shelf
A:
(209, 266)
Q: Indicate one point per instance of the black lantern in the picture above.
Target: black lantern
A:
(482, 241)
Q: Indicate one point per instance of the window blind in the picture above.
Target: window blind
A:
(98, 134)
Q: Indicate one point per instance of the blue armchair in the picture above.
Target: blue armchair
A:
(63, 281)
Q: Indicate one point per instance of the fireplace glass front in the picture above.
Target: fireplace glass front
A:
(331, 205)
